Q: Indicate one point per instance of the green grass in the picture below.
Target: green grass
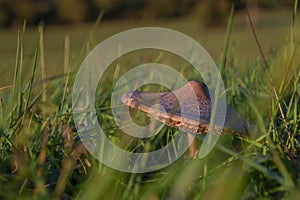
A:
(40, 159)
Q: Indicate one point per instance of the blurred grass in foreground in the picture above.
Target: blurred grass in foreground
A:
(41, 158)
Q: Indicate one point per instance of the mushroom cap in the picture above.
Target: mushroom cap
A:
(184, 114)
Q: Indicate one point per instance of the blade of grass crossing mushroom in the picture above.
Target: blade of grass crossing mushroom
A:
(211, 139)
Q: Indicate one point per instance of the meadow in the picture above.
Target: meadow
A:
(41, 156)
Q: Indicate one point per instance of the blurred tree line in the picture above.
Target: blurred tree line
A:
(81, 11)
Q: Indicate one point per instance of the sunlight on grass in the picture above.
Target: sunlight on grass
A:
(42, 157)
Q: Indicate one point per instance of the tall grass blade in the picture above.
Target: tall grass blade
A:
(206, 147)
(15, 83)
(43, 65)
(293, 24)
(20, 77)
(30, 83)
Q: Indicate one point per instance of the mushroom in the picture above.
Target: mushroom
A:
(173, 115)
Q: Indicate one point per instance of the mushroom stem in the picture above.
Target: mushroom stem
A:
(193, 150)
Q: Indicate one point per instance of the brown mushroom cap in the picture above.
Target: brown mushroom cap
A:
(188, 119)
